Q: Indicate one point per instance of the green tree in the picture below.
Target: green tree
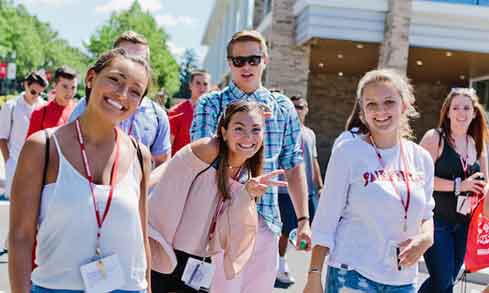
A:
(35, 43)
(188, 63)
(165, 68)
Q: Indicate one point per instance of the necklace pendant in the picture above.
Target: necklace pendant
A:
(404, 226)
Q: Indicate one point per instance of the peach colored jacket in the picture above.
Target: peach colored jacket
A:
(180, 216)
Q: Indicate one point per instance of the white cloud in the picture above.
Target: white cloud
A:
(54, 3)
(168, 20)
(175, 50)
(116, 5)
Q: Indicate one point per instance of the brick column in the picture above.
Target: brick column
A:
(288, 68)
(394, 50)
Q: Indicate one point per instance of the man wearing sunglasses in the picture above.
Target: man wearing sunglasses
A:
(314, 186)
(247, 58)
(14, 122)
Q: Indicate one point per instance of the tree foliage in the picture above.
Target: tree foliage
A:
(189, 62)
(165, 68)
(35, 43)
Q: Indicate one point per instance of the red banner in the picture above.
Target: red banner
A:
(3, 70)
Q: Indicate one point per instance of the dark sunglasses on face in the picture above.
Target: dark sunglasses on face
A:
(34, 93)
(240, 61)
(299, 107)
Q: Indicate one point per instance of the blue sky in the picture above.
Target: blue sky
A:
(76, 20)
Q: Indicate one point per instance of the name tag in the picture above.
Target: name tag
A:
(463, 205)
(103, 275)
(198, 274)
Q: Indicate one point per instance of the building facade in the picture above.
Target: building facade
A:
(320, 49)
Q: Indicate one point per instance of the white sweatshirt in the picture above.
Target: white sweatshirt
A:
(360, 214)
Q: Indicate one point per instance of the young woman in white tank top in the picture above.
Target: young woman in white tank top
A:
(89, 218)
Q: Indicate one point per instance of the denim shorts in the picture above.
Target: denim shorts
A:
(38, 289)
(339, 279)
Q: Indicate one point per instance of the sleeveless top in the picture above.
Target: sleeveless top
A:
(67, 228)
(448, 166)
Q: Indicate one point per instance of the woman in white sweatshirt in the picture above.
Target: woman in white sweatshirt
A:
(374, 218)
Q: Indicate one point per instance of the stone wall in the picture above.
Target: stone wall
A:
(288, 68)
(331, 99)
(394, 49)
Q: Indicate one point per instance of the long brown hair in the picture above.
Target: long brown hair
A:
(477, 128)
(354, 120)
(253, 165)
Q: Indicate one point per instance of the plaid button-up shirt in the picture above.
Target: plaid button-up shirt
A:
(281, 142)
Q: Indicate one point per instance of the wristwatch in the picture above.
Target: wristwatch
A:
(456, 187)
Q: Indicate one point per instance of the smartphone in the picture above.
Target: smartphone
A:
(398, 252)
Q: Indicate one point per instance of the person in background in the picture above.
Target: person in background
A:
(181, 114)
(57, 111)
(247, 58)
(374, 218)
(314, 186)
(353, 128)
(14, 122)
(161, 98)
(80, 190)
(149, 124)
(457, 147)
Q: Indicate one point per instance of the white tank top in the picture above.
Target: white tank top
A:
(67, 228)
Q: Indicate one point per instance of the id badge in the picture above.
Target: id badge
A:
(198, 274)
(103, 275)
(391, 257)
(463, 205)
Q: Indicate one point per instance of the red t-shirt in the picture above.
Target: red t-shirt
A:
(50, 115)
(180, 117)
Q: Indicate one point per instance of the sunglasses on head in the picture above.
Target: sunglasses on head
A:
(240, 61)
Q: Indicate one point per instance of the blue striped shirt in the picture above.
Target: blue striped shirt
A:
(282, 147)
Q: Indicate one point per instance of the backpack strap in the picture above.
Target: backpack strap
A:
(11, 122)
(46, 159)
(139, 154)
(157, 118)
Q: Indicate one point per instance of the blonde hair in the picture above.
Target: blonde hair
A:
(247, 36)
(402, 85)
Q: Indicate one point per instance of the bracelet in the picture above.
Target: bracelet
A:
(302, 219)
(314, 270)
(456, 186)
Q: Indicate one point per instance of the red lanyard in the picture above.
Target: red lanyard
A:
(405, 174)
(113, 178)
(212, 228)
(465, 160)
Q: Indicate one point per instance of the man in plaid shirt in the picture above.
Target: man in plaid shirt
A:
(247, 58)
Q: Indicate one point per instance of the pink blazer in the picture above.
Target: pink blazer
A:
(180, 218)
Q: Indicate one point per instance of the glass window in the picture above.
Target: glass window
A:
(470, 2)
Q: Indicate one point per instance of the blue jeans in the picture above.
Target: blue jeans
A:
(445, 258)
(38, 289)
(339, 279)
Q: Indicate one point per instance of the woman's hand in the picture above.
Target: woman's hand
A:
(257, 186)
(313, 284)
(472, 184)
(413, 248)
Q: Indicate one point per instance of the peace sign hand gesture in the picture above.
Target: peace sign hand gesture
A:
(257, 186)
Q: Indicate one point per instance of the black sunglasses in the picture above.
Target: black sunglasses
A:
(240, 61)
(299, 107)
(34, 93)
